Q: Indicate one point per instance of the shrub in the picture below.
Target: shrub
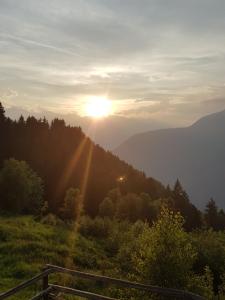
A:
(98, 227)
(107, 208)
(51, 219)
(21, 189)
(72, 205)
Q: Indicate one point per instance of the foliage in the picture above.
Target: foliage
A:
(210, 247)
(51, 219)
(181, 203)
(107, 208)
(162, 254)
(98, 227)
(165, 254)
(130, 207)
(214, 218)
(26, 245)
(72, 205)
(21, 189)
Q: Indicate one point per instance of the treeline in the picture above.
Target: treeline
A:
(63, 157)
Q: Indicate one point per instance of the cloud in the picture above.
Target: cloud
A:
(156, 58)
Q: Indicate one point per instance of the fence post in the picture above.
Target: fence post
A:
(45, 284)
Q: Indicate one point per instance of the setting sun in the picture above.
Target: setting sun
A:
(98, 107)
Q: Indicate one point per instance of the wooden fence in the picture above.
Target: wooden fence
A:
(52, 289)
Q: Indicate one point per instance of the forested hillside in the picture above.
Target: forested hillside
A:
(65, 157)
(61, 162)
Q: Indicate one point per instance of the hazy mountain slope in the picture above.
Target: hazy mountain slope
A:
(195, 155)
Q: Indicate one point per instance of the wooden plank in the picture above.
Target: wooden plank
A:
(80, 293)
(52, 269)
(153, 289)
(24, 284)
(42, 294)
(45, 285)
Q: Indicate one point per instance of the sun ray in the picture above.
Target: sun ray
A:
(74, 161)
(87, 171)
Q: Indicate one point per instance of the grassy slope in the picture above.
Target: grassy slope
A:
(27, 245)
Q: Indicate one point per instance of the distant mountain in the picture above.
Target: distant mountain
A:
(108, 132)
(195, 155)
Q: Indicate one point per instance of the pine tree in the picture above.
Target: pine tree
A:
(211, 215)
(182, 204)
(2, 113)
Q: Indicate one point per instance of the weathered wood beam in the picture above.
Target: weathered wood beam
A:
(151, 288)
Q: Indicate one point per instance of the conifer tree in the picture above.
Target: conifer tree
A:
(2, 113)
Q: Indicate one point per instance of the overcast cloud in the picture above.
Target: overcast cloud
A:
(158, 59)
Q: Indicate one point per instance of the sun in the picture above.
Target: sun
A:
(98, 107)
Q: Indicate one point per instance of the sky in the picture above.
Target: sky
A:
(158, 60)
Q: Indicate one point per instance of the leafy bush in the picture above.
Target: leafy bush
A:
(51, 219)
(72, 205)
(165, 255)
(98, 227)
(107, 208)
(21, 189)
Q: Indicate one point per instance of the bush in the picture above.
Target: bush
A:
(130, 207)
(21, 189)
(165, 255)
(107, 208)
(51, 219)
(98, 227)
(72, 205)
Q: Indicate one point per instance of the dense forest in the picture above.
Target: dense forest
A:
(64, 157)
(67, 201)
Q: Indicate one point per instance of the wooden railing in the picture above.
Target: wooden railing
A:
(52, 289)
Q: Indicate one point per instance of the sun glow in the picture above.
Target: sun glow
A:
(98, 107)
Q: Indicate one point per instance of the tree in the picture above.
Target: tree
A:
(72, 205)
(2, 113)
(168, 254)
(165, 255)
(21, 189)
(182, 204)
(58, 124)
(107, 208)
(213, 217)
(221, 219)
(130, 207)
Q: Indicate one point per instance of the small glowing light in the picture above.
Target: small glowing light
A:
(98, 107)
(121, 178)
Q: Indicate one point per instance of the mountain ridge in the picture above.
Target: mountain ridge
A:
(189, 153)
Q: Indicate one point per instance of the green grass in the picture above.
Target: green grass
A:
(26, 246)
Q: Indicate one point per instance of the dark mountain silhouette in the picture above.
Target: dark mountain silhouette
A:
(195, 155)
(108, 132)
(65, 157)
